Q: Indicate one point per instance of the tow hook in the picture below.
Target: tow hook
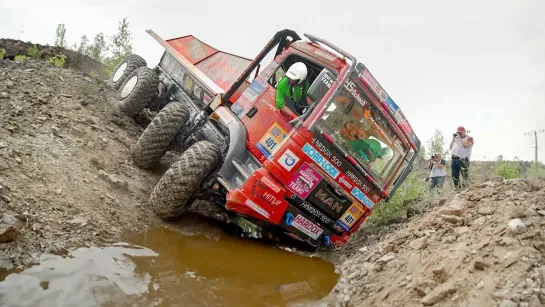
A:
(327, 241)
(289, 218)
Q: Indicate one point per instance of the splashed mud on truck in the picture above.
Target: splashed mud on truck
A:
(313, 173)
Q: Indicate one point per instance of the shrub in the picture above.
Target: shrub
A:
(57, 60)
(33, 52)
(507, 169)
(20, 57)
(2, 53)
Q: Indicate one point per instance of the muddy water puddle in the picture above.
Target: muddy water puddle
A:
(161, 267)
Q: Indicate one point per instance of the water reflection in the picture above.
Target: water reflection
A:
(172, 270)
(89, 277)
(230, 272)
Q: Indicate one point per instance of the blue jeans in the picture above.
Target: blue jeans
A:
(460, 166)
(437, 182)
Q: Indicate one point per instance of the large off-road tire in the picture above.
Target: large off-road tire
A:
(124, 69)
(137, 91)
(170, 196)
(159, 134)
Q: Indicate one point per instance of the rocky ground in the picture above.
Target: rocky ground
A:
(483, 247)
(67, 180)
(66, 177)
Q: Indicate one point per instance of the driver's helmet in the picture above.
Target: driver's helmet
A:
(297, 71)
(386, 153)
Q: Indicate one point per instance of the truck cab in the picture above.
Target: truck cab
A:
(313, 173)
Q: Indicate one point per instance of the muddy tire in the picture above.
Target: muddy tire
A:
(137, 91)
(124, 69)
(170, 196)
(159, 134)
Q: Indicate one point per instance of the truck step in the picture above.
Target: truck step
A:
(242, 169)
(225, 184)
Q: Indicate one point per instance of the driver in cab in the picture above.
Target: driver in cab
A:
(294, 86)
(370, 150)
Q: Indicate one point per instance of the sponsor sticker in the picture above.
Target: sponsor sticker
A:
(304, 181)
(343, 226)
(321, 161)
(307, 227)
(270, 142)
(270, 184)
(373, 84)
(345, 182)
(288, 160)
(261, 191)
(352, 215)
(358, 194)
(392, 105)
(257, 208)
(247, 98)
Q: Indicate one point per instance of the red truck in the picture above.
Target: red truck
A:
(273, 175)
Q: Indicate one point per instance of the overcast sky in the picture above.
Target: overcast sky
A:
(480, 64)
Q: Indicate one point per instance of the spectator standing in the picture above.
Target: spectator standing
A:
(461, 147)
(438, 172)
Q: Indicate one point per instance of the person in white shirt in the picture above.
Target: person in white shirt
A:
(438, 172)
(461, 147)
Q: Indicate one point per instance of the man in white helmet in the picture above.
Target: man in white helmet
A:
(294, 85)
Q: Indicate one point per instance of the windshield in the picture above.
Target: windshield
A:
(358, 127)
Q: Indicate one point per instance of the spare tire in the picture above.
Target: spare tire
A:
(159, 134)
(124, 69)
(137, 91)
(170, 197)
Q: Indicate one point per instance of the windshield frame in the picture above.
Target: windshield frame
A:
(399, 144)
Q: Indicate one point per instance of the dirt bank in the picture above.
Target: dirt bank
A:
(74, 60)
(483, 247)
(66, 178)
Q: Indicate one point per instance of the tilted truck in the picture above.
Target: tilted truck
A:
(272, 174)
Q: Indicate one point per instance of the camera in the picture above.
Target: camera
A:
(455, 134)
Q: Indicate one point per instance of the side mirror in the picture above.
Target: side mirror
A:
(321, 85)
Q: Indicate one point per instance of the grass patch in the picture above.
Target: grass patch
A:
(413, 190)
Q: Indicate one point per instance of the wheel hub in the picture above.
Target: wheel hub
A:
(129, 86)
(119, 72)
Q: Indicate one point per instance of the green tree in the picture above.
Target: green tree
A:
(83, 47)
(98, 49)
(436, 144)
(60, 38)
(120, 45)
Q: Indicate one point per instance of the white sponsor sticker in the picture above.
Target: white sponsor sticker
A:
(288, 160)
(270, 184)
(257, 208)
(307, 227)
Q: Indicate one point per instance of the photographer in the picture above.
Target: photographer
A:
(438, 172)
(460, 146)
